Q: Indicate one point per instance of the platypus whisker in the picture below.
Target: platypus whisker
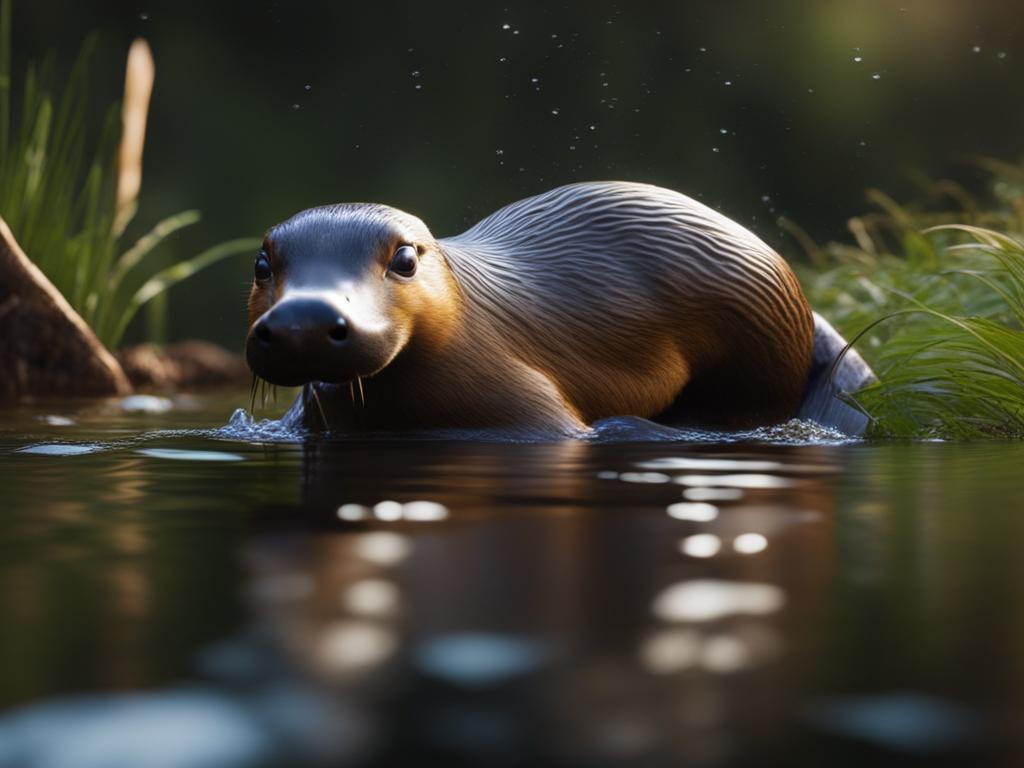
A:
(319, 407)
(252, 395)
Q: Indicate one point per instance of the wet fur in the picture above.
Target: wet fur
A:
(589, 301)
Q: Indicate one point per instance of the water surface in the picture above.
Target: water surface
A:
(171, 594)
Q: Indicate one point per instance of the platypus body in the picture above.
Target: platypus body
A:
(587, 302)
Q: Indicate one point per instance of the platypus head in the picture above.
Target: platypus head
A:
(339, 291)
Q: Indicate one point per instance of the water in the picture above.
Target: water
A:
(174, 596)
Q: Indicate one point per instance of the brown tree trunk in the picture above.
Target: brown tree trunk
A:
(46, 349)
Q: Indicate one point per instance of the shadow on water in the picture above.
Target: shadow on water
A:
(191, 598)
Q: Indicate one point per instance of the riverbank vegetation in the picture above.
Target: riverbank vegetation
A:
(932, 294)
(69, 196)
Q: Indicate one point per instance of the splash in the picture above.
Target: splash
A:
(622, 429)
(244, 427)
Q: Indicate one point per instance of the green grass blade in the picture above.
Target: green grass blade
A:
(175, 274)
(5, 83)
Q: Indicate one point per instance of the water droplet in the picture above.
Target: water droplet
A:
(593, 127)
(728, 82)
(876, 76)
(555, 111)
(506, 26)
(534, 79)
(858, 59)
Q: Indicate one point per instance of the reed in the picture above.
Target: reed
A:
(69, 197)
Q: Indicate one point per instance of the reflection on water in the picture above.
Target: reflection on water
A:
(186, 598)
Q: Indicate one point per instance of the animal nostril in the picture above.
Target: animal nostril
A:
(262, 332)
(339, 331)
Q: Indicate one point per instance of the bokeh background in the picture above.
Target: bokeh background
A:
(761, 109)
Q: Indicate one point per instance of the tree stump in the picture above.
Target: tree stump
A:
(46, 349)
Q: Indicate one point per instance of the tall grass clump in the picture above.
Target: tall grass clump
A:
(935, 302)
(69, 197)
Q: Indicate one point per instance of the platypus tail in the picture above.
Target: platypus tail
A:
(821, 402)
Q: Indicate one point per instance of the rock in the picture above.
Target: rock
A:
(46, 348)
(183, 365)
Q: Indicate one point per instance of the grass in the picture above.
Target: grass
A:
(65, 196)
(935, 302)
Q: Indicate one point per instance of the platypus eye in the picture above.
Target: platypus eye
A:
(261, 269)
(404, 262)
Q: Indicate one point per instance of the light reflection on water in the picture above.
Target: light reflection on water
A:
(572, 603)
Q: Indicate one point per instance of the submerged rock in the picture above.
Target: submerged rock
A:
(46, 348)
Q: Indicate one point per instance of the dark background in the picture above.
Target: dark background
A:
(450, 110)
